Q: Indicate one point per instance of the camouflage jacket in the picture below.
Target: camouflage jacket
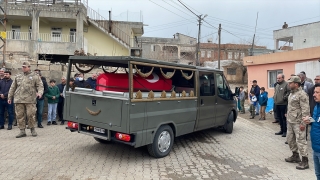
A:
(24, 88)
(298, 106)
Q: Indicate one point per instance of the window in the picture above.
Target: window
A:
(56, 34)
(16, 32)
(209, 54)
(272, 77)
(206, 80)
(242, 55)
(231, 71)
(203, 53)
(153, 47)
(73, 34)
(223, 88)
(236, 55)
(229, 55)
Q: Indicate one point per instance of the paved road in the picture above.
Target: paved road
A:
(251, 152)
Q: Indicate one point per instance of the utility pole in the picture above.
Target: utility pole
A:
(219, 33)
(251, 53)
(199, 33)
(3, 36)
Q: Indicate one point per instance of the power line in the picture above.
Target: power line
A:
(188, 9)
(167, 27)
(169, 10)
(168, 24)
(176, 8)
(208, 35)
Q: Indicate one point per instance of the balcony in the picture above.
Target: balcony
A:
(44, 37)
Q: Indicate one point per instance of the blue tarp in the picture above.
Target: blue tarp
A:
(269, 105)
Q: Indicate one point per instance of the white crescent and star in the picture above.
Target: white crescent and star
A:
(155, 78)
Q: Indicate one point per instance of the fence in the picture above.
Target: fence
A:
(48, 2)
(57, 37)
(19, 35)
(107, 25)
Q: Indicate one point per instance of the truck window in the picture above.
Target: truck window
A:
(206, 81)
(222, 87)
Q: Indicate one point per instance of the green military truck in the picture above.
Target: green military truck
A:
(150, 103)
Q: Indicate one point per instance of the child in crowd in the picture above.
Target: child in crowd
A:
(242, 100)
(263, 101)
(253, 103)
(53, 99)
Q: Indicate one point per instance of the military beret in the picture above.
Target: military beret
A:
(25, 64)
(295, 79)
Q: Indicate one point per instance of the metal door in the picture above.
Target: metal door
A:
(224, 100)
(206, 103)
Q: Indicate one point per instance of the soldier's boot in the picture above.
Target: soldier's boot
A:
(304, 164)
(295, 158)
(21, 134)
(33, 132)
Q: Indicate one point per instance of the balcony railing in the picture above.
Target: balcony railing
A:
(46, 37)
(19, 35)
(105, 24)
(57, 37)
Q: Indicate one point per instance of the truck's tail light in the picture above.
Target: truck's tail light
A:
(123, 137)
(72, 125)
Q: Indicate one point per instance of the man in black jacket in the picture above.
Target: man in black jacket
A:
(40, 101)
(5, 85)
(61, 100)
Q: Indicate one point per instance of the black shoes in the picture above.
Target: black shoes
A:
(275, 122)
(54, 123)
(15, 124)
(284, 134)
(1, 127)
(9, 127)
(62, 123)
(279, 133)
(40, 126)
(49, 123)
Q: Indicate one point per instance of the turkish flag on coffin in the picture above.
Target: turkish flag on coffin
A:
(120, 82)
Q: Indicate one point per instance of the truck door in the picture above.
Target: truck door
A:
(206, 100)
(224, 100)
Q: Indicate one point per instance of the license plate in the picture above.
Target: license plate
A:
(99, 130)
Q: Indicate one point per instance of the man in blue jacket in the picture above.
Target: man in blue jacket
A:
(92, 81)
(315, 130)
(5, 85)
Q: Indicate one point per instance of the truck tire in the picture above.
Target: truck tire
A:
(228, 127)
(102, 140)
(162, 142)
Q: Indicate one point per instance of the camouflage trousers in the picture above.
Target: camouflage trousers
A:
(297, 139)
(23, 109)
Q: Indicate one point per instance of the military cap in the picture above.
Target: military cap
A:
(295, 79)
(26, 64)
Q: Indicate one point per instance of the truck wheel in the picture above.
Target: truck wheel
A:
(162, 142)
(102, 140)
(228, 127)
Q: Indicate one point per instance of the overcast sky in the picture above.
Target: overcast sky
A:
(167, 17)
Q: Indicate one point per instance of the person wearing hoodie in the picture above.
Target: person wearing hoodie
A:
(263, 101)
(315, 130)
(40, 101)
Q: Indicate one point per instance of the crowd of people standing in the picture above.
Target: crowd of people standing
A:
(296, 106)
(24, 96)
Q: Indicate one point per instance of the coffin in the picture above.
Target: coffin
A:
(120, 82)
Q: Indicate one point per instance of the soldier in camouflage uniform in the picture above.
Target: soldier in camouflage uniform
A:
(298, 108)
(25, 88)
